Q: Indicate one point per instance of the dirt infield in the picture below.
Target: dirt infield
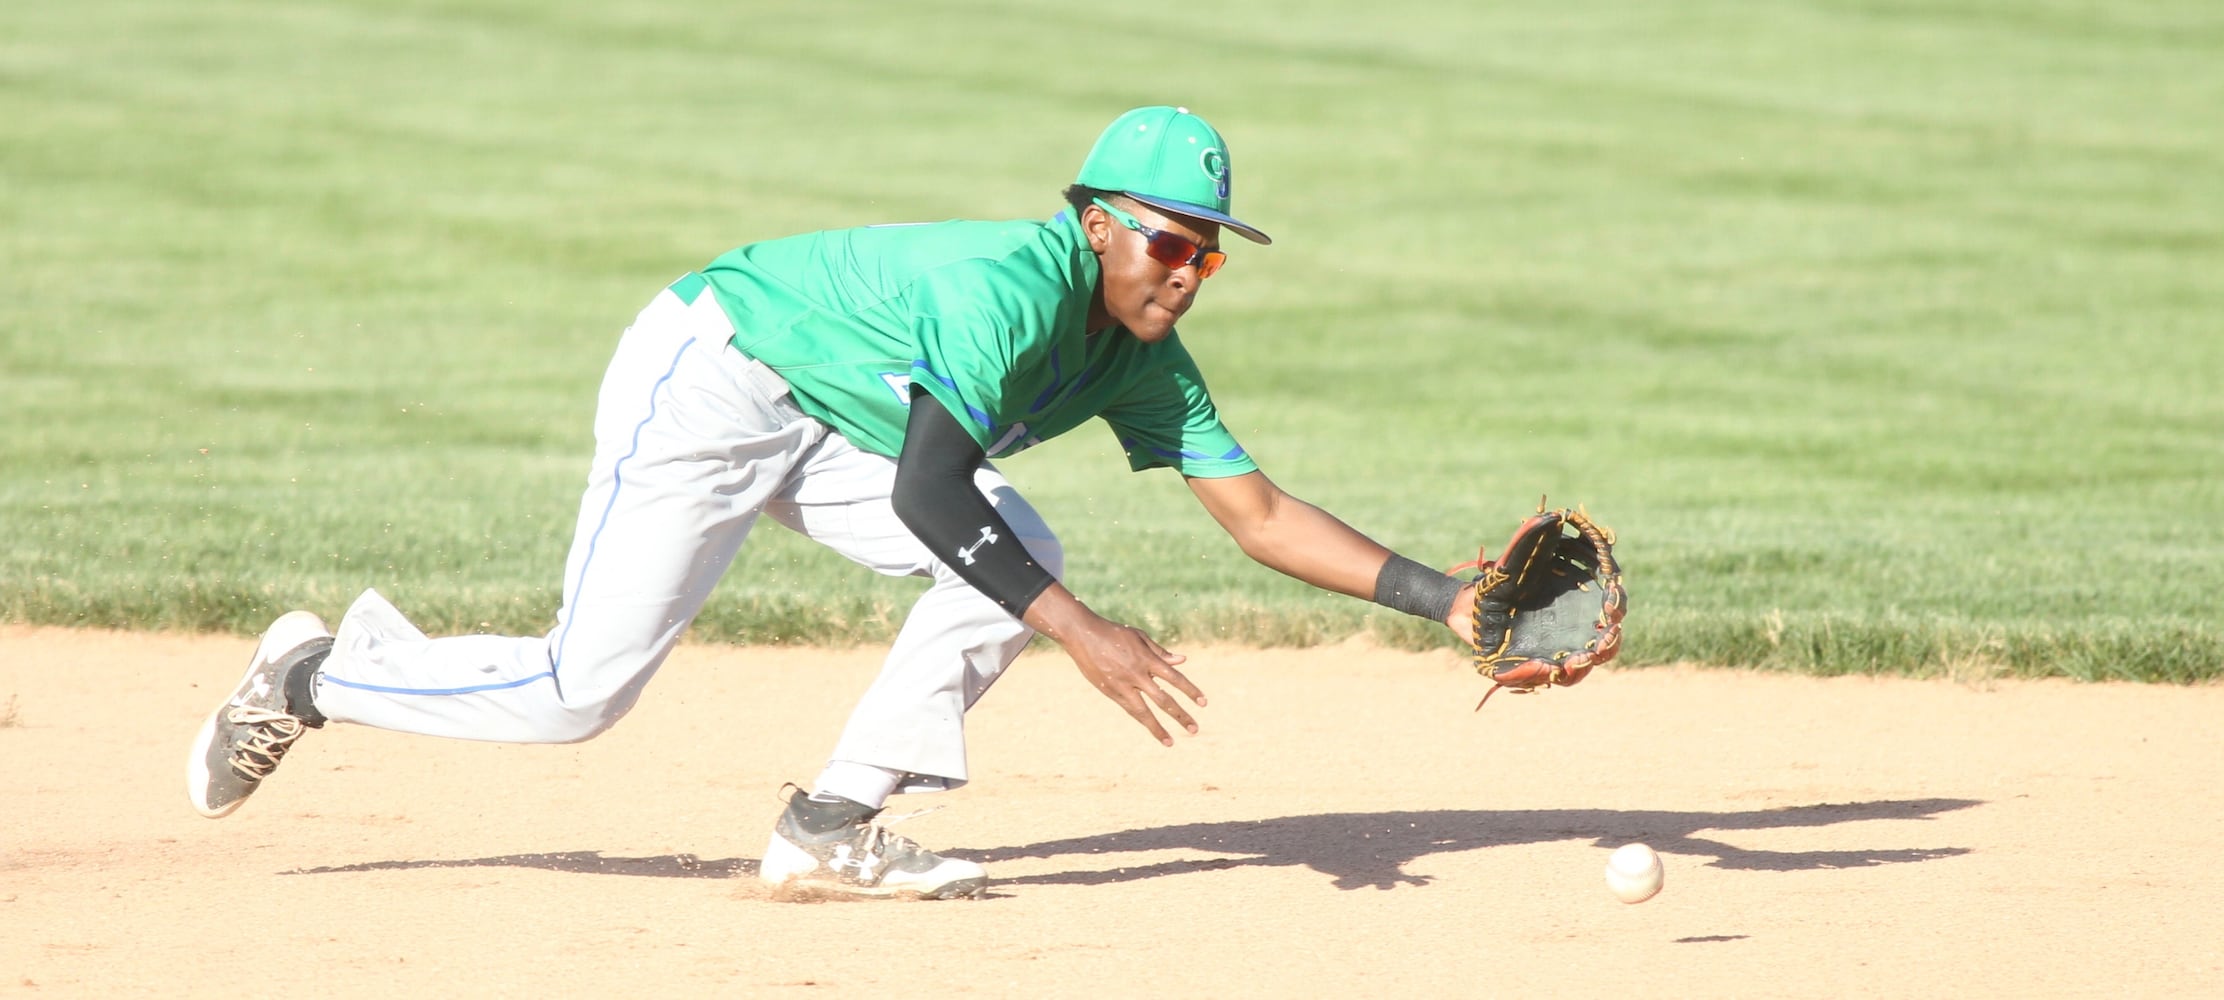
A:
(1344, 826)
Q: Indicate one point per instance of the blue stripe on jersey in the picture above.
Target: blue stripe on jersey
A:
(475, 689)
(1057, 374)
(1057, 393)
(617, 482)
(980, 417)
(1233, 453)
(1078, 381)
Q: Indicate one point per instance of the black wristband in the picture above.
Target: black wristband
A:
(1408, 586)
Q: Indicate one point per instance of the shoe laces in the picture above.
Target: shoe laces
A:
(879, 840)
(269, 734)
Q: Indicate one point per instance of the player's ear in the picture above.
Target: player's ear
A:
(1097, 225)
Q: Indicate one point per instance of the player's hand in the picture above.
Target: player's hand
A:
(1127, 666)
(1121, 661)
(1462, 619)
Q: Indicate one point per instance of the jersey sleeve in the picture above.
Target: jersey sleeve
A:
(1166, 418)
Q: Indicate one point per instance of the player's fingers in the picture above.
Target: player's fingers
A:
(1182, 682)
(1165, 668)
(1123, 695)
(1142, 713)
(1168, 705)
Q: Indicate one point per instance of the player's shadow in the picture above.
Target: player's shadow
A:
(576, 862)
(1355, 850)
(1361, 850)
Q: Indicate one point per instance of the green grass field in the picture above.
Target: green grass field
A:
(1878, 329)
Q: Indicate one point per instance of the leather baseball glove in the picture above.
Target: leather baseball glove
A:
(1549, 608)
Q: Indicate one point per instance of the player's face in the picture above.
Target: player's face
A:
(1141, 292)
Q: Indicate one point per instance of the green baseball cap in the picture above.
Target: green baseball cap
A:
(1169, 159)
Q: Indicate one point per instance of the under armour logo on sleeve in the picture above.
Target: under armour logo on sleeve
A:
(988, 537)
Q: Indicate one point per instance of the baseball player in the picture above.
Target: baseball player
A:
(852, 385)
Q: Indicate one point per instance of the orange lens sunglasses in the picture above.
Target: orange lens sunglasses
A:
(1171, 249)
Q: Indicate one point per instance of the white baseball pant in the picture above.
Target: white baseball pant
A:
(693, 440)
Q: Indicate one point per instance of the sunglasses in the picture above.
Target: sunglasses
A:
(1171, 249)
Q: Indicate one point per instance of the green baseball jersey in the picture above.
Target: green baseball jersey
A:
(989, 317)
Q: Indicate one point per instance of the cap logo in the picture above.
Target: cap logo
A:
(1215, 164)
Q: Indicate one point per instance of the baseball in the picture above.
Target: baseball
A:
(1634, 873)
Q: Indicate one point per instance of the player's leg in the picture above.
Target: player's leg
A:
(954, 643)
(688, 450)
(908, 731)
(689, 444)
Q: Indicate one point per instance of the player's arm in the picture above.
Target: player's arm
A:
(935, 497)
(1293, 537)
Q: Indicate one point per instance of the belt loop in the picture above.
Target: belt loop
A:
(768, 381)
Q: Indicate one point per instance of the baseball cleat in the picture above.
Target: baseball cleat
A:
(243, 740)
(853, 855)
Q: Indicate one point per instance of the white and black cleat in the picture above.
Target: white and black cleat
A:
(247, 735)
(838, 848)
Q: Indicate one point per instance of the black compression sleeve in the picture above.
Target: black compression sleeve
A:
(935, 497)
